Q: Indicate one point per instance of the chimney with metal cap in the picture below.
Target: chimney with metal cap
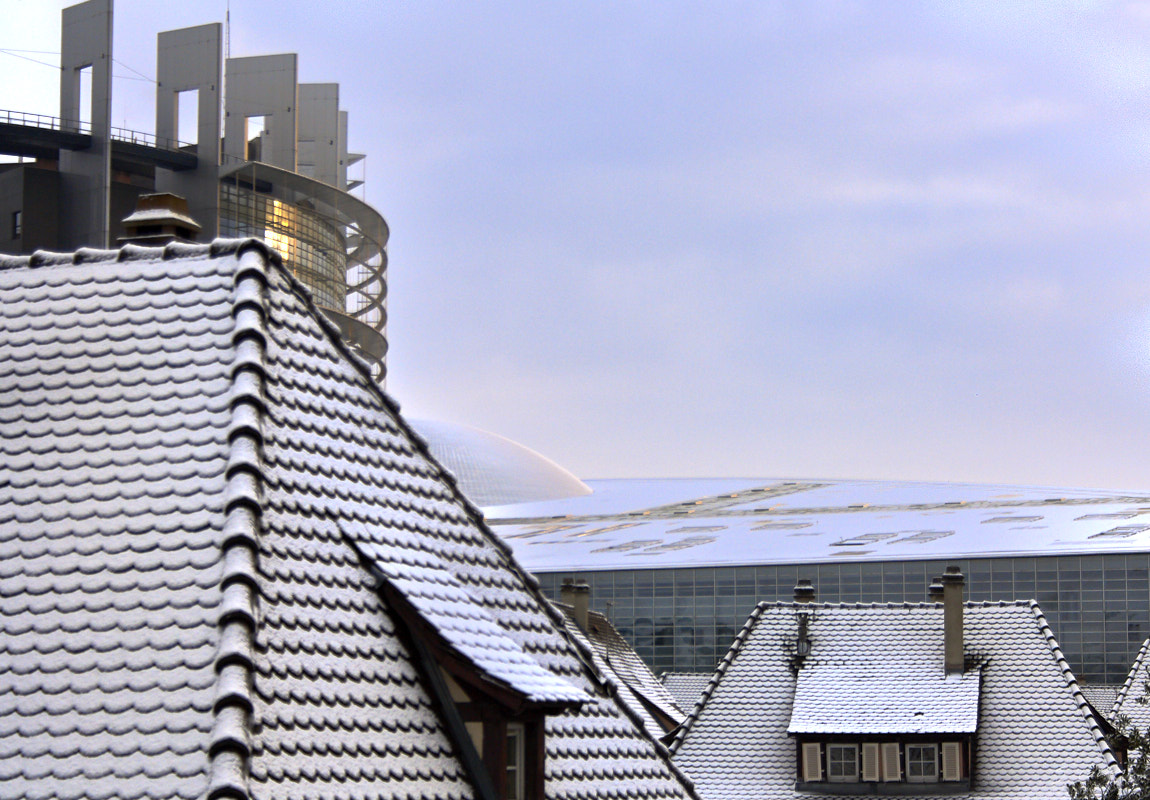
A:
(935, 592)
(804, 591)
(952, 582)
(578, 596)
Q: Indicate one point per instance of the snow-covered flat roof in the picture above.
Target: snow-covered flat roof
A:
(668, 523)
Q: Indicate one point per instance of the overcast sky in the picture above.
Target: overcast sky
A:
(809, 239)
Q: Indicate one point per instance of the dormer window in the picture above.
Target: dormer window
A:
(921, 763)
(882, 765)
(842, 763)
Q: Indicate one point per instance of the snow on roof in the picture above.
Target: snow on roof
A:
(894, 682)
(686, 687)
(680, 523)
(193, 465)
(1035, 731)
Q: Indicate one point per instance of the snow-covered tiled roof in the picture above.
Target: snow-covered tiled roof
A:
(686, 687)
(887, 679)
(200, 493)
(1035, 733)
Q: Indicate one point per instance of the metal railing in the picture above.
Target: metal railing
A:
(43, 122)
(49, 123)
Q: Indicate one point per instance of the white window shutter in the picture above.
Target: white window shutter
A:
(870, 761)
(951, 761)
(812, 762)
(891, 766)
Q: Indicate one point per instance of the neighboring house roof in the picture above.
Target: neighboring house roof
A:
(1128, 702)
(1100, 695)
(203, 498)
(638, 687)
(1035, 731)
(686, 687)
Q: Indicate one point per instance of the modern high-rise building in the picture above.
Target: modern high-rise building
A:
(268, 158)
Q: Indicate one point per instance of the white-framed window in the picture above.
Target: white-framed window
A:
(842, 763)
(922, 763)
(516, 738)
(17, 224)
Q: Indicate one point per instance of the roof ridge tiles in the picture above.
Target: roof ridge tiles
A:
(1135, 666)
(132, 252)
(1075, 691)
(229, 748)
(693, 715)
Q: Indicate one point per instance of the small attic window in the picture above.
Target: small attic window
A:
(516, 756)
(921, 763)
(1009, 519)
(842, 763)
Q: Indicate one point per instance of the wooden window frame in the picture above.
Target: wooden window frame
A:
(832, 763)
(910, 777)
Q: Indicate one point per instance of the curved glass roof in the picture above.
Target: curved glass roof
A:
(495, 471)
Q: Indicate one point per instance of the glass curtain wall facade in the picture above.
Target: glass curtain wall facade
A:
(312, 248)
(684, 620)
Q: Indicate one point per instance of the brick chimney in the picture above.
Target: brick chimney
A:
(936, 590)
(952, 582)
(804, 591)
(578, 596)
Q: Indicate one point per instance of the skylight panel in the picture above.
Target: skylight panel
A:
(1121, 532)
(682, 544)
(863, 539)
(923, 537)
(625, 546)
